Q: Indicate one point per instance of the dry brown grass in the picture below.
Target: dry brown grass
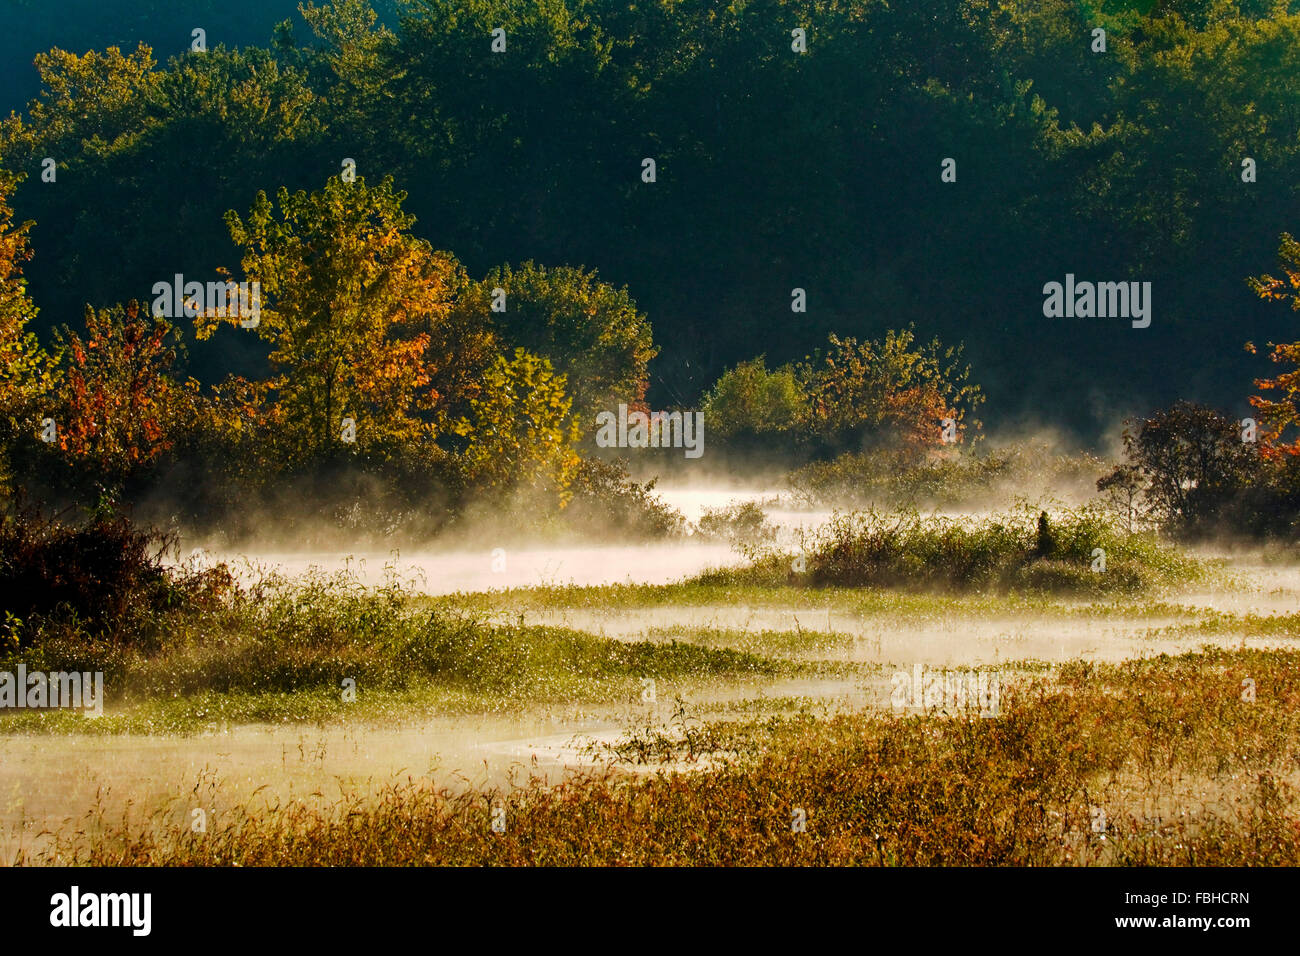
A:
(1186, 771)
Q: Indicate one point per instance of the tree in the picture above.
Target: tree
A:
(1123, 489)
(26, 374)
(887, 394)
(1278, 415)
(351, 303)
(591, 332)
(518, 432)
(93, 101)
(750, 403)
(118, 394)
(358, 56)
(1194, 461)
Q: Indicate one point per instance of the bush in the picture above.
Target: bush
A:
(606, 501)
(106, 577)
(742, 525)
(750, 405)
(955, 480)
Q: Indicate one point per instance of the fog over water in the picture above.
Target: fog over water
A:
(459, 567)
(434, 571)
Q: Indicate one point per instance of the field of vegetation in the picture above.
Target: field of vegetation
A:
(1154, 762)
(769, 737)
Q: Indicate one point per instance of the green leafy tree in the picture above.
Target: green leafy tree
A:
(238, 104)
(357, 58)
(748, 402)
(590, 331)
(94, 101)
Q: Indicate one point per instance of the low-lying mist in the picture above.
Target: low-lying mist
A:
(713, 511)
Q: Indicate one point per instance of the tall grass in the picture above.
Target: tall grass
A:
(307, 635)
(1186, 771)
(1073, 551)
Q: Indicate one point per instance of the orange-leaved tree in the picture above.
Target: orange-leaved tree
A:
(352, 305)
(118, 398)
(1277, 415)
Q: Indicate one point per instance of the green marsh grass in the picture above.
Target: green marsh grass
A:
(1080, 552)
(282, 648)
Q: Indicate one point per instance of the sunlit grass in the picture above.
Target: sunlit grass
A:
(1077, 552)
(288, 650)
(800, 643)
(281, 649)
(1023, 788)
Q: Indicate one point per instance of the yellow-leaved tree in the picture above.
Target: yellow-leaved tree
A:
(520, 432)
(26, 373)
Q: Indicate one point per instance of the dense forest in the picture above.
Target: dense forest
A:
(850, 188)
(1117, 165)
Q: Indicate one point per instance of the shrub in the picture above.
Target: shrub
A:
(606, 501)
(953, 480)
(749, 404)
(742, 525)
(106, 577)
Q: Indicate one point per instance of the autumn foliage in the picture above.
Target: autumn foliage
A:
(383, 360)
(889, 395)
(118, 394)
(1278, 414)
